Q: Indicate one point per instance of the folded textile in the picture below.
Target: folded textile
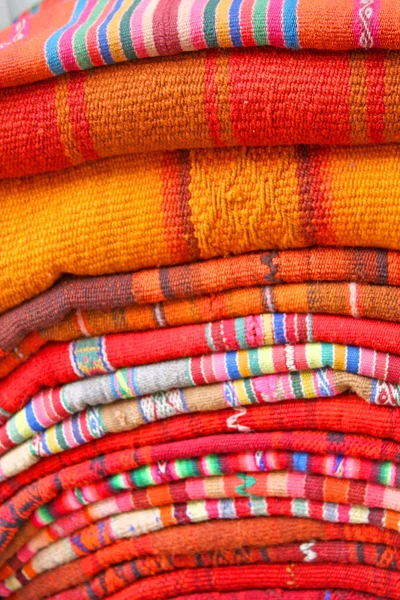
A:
(223, 535)
(210, 504)
(358, 447)
(218, 535)
(117, 577)
(279, 594)
(65, 363)
(62, 36)
(87, 296)
(356, 417)
(97, 421)
(353, 577)
(201, 100)
(170, 208)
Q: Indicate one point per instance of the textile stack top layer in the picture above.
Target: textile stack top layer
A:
(200, 300)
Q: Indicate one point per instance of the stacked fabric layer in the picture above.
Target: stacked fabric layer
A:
(200, 300)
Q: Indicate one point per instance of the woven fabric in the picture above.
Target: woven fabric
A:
(134, 523)
(63, 36)
(202, 100)
(80, 303)
(116, 578)
(96, 422)
(351, 577)
(384, 473)
(161, 209)
(65, 363)
(221, 535)
(351, 415)
(359, 448)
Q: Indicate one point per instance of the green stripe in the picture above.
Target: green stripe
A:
(254, 362)
(297, 385)
(13, 432)
(44, 515)
(213, 464)
(79, 40)
(117, 482)
(250, 391)
(59, 435)
(240, 332)
(125, 32)
(384, 473)
(79, 497)
(260, 22)
(209, 29)
(326, 355)
(141, 477)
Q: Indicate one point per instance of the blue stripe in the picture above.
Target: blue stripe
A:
(234, 23)
(44, 444)
(102, 36)
(338, 462)
(290, 33)
(300, 461)
(231, 365)
(279, 328)
(51, 49)
(374, 389)
(353, 357)
(31, 418)
(76, 430)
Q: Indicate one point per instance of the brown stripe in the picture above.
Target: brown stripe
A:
(304, 174)
(184, 205)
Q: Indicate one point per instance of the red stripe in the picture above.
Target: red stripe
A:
(165, 27)
(375, 80)
(77, 115)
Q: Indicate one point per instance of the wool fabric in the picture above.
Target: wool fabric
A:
(97, 421)
(161, 209)
(62, 36)
(223, 535)
(200, 100)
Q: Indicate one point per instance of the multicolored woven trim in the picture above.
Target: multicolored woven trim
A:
(63, 36)
(203, 537)
(52, 405)
(76, 300)
(212, 504)
(88, 357)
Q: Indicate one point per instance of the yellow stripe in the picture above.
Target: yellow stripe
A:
(222, 24)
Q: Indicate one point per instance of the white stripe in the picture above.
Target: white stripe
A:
(353, 299)
(81, 323)
(147, 26)
(184, 12)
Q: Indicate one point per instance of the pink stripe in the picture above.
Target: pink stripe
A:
(220, 371)
(375, 496)
(295, 485)
(246, 23)
(65, 46)
(366, 362)
(67, 431)
(137, 32)
(197, 23)
(275, 23)
(285, 382)
(343, 513)
(195, 488)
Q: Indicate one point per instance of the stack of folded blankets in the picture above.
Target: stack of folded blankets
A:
(200, 300)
